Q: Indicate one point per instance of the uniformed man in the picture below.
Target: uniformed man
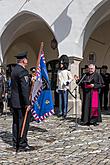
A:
(64, 78)
(105, 89)
(20, 90)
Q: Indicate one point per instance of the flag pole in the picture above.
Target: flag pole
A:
(28, 108)
(37, 64)
(24, 122)
(41, 48)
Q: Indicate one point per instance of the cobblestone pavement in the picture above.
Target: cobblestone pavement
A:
(57, 143)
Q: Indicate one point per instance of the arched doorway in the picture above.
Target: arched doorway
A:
(96, 45)
(25, 31)
(96, 37)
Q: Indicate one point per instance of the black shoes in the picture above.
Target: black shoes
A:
(64, 116)
(94, 123)
(27, 148)
(89, 123)
(59, 115)
(23, 148)
(84, 124)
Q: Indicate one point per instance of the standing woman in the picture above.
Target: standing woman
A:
(64, 78)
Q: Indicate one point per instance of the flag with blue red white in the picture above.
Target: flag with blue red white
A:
(42, 103)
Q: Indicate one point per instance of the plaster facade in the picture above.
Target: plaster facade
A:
(79, 27)
(67, 20)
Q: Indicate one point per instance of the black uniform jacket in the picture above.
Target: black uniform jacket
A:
(20, 87)
(106, 78)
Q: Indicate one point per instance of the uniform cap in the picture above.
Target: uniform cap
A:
(33, 69)
(21, 55)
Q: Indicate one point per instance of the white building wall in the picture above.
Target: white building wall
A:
(67, 18)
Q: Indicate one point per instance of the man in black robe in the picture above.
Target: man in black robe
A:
(91, 85)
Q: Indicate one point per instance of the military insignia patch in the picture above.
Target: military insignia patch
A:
(26, 78)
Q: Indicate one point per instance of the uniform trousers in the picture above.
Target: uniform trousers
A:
(104, 93)
(18, 118)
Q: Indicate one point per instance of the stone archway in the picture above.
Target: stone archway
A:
(25, 31)
(96, 36)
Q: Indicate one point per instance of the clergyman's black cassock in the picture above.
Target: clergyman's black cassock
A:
(97, 80)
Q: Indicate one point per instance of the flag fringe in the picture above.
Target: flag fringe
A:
(36, 117)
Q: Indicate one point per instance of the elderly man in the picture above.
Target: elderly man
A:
(91, 85)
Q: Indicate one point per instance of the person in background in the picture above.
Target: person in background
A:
(86, 69)
(64, 77)
(105, 90)
(91, 86)
(8, 92)
(33, 74)
(2, 91)
(20, 92)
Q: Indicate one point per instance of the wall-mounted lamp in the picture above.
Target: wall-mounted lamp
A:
(54, 43)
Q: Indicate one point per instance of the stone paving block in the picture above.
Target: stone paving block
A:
(58, 144)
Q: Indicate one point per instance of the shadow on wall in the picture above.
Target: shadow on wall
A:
(62, 25)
